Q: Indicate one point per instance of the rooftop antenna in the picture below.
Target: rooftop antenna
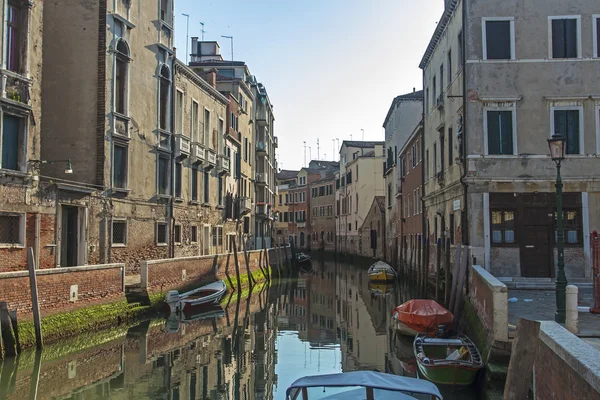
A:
(318, 158)
(333, 152)
(309, 153)
(350, 136)
(187, 37)
(202, 30)
(363, 134)
(304, 154)
(337, 141)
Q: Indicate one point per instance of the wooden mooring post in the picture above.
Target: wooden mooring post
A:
(35, 304)
(438, 266)
(447, 274)
(419, 260)
(247, 261)
(237, 268)
(520, 367)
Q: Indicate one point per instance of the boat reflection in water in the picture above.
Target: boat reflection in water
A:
(321, 322)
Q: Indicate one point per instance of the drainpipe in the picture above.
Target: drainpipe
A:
(170, 207)
(36, 246)
(465, 219)
(424, 230)
(106, 239)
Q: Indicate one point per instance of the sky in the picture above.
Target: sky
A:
(330, 67)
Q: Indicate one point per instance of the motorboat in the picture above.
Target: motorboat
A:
(302, 258)
(421, 316)
(381, 272)
(208, 294)
(192, 314)
(362, 385)
(448, 361)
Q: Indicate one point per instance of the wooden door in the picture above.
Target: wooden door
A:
(536, 245)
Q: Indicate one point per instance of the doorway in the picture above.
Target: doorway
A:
(536, 243)
(206, 240)
(72, 236)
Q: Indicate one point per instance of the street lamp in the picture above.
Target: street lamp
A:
(558, 145)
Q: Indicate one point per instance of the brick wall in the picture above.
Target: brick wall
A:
(162, 275)
(565, 366)
(489, 297)
(95, 283)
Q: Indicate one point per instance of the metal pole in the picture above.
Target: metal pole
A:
(561, 279)
(187, 36)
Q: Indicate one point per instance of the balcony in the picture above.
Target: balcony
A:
(211, 159)
(223, 164)
(301, 223)
(261, 149)
(182, 146)
(262, 118)
(263, 210)
(276, 142)
(440, 102)
(261, 179)
(121, 125)
(15, 87)
(245, 205)
(198, 155)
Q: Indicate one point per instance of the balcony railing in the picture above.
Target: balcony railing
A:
(15, 87)
(440, 101)
(198, 153)
(261, 149)
(261, 178)
(245, 205)
(263, 210)
(182, 146)
(262, 116)
(224, 164)
(211, 159)
(121, 125)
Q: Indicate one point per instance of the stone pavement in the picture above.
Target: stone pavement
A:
(541, 305)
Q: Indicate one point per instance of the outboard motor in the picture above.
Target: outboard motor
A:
(172, 299)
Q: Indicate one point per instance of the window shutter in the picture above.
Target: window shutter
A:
(493, 125)
(572, 120)
(10, 142)
(506, 132)
(570, 38)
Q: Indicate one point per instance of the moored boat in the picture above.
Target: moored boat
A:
(302, 258)
(361, 385)
(381, 288)
(422, 316)
(447, 361)
(381, 272)
(208, 294)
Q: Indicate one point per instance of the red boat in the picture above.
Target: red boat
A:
(422, 316)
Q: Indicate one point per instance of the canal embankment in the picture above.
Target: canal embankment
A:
(77, 300)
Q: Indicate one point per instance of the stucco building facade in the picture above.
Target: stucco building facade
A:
(322, 217)
(496, 88)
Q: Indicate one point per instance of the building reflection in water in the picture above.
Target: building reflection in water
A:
(322, 322)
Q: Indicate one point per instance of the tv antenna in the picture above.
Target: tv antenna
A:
(202, 30)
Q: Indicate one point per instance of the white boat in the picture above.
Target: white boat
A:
(208, 294)
(362, 385)
(381, 271)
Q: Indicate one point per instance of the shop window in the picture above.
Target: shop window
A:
(503, 227)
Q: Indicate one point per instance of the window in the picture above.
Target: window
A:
(596, 29)
(356, 202)
(12, 229)
(426, 164)
(322, 191)
(451, 228)
(567, 122)
(178, 172)
(450, 144)
(434, 89)
(161, 233)
(434, 159)
(503, 227)
(13, 133)
(194, 234)
(441, 79)
(179, 112)
(287, 199)
(449, 67)
(389, 194)
(206, 138)
(349, 227)
(194, 121)
(280, 199)
(194, 183)
(217, 237)
(165, 10)
(285, 216)
(220, 191)
(163, 175)
(572, 227)
(499, 132)
(221, 139)
(246, 149)
(14, 30)
(165, 84)
(121, 77)
(356, 179)
(120, 166)
(565, 37)
(426, 99)
(177, 233)
(206, 187)
(414, 156)
(498, 39)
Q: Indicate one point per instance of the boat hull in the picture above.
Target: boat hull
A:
(449, 375)
(381, 276)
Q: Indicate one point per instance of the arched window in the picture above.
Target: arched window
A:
(165, 84)
(301, 239)
(121, 77)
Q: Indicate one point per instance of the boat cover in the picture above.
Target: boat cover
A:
(381, 266)
(375, 380)
(423, 315)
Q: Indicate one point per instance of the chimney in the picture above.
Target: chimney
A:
(414, 90)
(211, 77)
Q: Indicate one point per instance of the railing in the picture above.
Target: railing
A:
(224, 163)
(440, 101)
(198, 153)
(261, 178)
(245, 205)
(275, 141)
(121, 125)
(14, 87)
(211, 157)
(261, 149)
(182, 145)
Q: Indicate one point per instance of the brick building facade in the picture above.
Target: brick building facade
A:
(322, 217)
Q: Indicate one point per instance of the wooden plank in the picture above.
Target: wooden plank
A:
(520, 368)
(455, 276)
(35, 304)
(447, 275)
(237, 268)
(13, 320)
(247, 260)
(462, 273)
(227, 271)
(10, 345)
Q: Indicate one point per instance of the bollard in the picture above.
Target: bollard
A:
(572, 321)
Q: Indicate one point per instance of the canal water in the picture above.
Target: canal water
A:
(326, 321)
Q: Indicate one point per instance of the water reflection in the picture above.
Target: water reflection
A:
(324, 321)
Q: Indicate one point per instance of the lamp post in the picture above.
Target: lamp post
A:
(557, 145)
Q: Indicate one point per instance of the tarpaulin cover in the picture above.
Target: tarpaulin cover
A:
(423, 315)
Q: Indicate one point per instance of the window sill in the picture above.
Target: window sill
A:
(161, 244)
(194, 202)
(165, 48)
(118, 245)
(220, 207)
(206, 205)
(124, 20)
(11, 246)
(17, 104)
(13, 173)
(121, 191)
(164, 196)
(178, 199)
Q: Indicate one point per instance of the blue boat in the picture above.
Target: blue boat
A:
(362, 385)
